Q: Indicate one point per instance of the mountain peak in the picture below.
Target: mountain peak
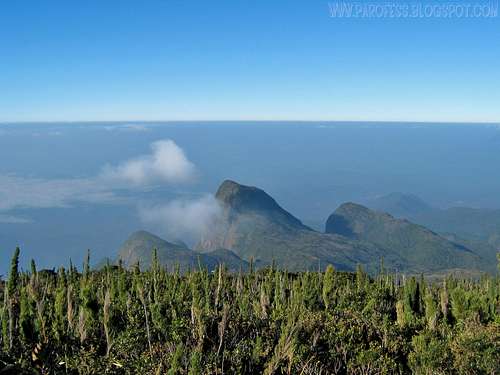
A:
(139, 246)
(241, 197)
(249, 216)
(419, 247)
(142, 234)
(400, 204)
(338, 222)
(353, 207)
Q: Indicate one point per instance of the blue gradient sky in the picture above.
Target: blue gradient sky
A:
(212, 60)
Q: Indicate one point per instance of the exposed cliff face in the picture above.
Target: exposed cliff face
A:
(247, 212)
(255, 227)
(241, 199)
(252, 225)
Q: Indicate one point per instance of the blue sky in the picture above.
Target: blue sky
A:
(238, 60)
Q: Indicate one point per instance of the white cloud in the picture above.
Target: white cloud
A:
(135, 127)
(9, 219)
(182, 219)
(167, 163)
(127, 127)
(21, 192)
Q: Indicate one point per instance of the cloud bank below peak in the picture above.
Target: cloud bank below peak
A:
(184, 219)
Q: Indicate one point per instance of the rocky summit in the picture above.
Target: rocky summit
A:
(139, 248)
(252, 226)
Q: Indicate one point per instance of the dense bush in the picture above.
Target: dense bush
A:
(269, 321)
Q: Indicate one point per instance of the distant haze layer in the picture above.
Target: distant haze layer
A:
(68, 187)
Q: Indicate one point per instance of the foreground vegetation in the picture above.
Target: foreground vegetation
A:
(267, 321)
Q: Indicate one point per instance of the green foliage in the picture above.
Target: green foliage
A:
(268, 321)
(14, 272)
(431, 310)
(430, 354)
(476, 349)
(329, 286)
(33, 267)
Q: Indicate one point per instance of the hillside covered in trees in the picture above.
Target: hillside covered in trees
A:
(270, 321)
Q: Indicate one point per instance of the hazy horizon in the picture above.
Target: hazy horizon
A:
(67, 188)
(250, 121)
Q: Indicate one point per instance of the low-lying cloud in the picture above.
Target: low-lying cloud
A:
(28, 192)
(167, 163)
(127, 128)
(182, 219)
(9, 219)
